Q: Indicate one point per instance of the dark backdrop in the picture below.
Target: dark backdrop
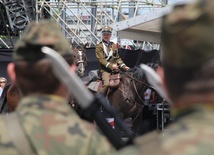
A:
(131, 58)
(5, 58)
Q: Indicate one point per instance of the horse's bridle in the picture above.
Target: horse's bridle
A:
(81, 63)
(80, 53)
(135, 88)
(132, 99)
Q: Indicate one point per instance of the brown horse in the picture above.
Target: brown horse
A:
(80, 58)
(128, 98)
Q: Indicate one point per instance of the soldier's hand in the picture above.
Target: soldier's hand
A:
(115, 66)
(126, 68)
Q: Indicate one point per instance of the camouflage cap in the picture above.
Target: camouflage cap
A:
(37, 35)
(188, 34)
(106, 30)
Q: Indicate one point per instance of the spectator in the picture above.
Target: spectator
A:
(3, 82)
(147, 96)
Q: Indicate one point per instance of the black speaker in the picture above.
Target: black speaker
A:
(17, 14)
(4, 23)
(31, 9)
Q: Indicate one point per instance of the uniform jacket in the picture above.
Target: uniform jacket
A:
(106, 65)
(53, 128)
(191, 134)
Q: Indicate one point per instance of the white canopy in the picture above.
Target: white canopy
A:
(144, 27)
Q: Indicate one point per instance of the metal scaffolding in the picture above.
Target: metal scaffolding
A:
(81, 20)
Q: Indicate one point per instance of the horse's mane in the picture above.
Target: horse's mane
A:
(77, 47)
(137, 73)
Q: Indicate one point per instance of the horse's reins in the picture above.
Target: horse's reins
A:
(135, 88)
(133, 100)
(135, 103)
(137, 80)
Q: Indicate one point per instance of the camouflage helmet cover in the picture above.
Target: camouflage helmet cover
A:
(188, 34)
(37, 35)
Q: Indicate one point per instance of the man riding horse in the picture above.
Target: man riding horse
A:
(107, 55)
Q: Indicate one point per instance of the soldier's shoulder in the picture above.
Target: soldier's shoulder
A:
(147, 138)
(163, 142)
(150, 144)
(184, 134)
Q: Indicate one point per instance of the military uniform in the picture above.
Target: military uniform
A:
(189, 135)
(53, 128)
(107, 55)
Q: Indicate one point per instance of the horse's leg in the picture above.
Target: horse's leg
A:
(136, 124)
(148, 120)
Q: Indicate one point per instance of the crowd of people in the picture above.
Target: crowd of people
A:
(44, 123)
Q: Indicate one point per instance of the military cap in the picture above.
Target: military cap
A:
(106, 30)
(188, 35)
(37, 35)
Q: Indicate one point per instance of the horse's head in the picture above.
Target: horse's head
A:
(129, 96)
(80, 59)
(136, 79)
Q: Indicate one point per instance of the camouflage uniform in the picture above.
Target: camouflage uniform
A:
(189, 135)
(50, 125)
(106, 59)
(188, 35)
(53, 128)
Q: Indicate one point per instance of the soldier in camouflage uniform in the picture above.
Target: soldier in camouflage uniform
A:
(48, 123)
(107, 55)
(188, 64)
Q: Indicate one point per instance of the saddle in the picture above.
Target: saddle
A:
(94, 82)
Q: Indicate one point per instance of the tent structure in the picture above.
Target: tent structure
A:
(145, 27)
